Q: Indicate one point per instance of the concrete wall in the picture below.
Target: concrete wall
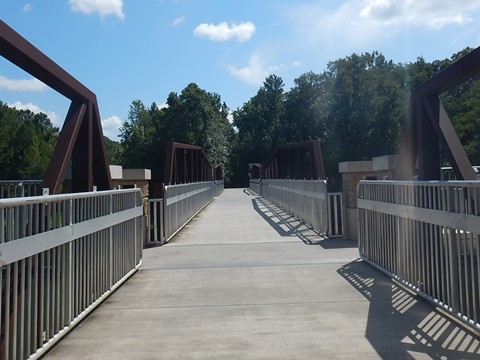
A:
(354, 171)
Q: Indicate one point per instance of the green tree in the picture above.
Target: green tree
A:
(259, 123)
(27, 141)
(114, 151)
(194, 117)
(137, 137)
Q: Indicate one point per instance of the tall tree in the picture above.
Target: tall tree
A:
(27, 141)
(259, 125)
(194, 117)
(137, 136)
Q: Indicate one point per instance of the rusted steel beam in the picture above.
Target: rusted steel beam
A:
(65, 144)
(428, 126)
(217, 172)
(81, 137)
(302, 160)
(186, 163)
(22, 53)
(453, 75)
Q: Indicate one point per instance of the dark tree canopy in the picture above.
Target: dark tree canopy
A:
(27, 141)
(356, 107)
(194, 117)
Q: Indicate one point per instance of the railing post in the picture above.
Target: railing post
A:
(110, 245)
(69, 300)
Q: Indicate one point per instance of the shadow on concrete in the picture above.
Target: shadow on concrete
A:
(249, 192)
(401, 325)
(288, 226)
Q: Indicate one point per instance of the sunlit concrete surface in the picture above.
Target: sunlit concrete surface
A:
(246, 281)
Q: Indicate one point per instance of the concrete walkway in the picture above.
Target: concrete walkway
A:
(245, 281)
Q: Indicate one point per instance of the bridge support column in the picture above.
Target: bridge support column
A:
(354, 171)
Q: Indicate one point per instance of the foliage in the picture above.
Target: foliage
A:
(27, 141)
(260, 128)
(356, 107)
(114, 151)
(194, 117)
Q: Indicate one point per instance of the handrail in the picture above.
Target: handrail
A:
(61, 256)
(426, 234)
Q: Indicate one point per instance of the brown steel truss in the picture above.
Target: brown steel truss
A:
(255, 170)
(218, 172)
(186, 164)
(428, 126)
(301, 160)
(81, 139)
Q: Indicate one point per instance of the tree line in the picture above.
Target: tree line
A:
(356, 107)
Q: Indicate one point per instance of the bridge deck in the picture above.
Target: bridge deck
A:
(246, 281)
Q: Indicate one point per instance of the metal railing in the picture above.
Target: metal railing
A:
(426, 234)
(335, 214)
(256, 186)
(155, 221)
(60, 257)
(180, 204)
(20, 188)
(305, 199)
(219, 187)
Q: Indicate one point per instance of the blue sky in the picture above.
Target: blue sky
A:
(125, 50)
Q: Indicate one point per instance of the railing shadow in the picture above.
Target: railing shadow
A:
(402, 325)
(249, 192)
(288, 226)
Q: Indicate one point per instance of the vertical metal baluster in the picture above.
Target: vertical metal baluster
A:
(16, 222)
(23, 295)
(76, 272)
(62, 286)
(474, 291)
(35, 305)
(2, 290)
(103, 268)
(68, 285)
(15, 314)
(6, 327)
(464, 264)
(53, 285)
(2, 225)
(98, 270)
(477, 303)
(47, 291)
(81, 284)
(460, 272)
(58, 297)
(88, 266)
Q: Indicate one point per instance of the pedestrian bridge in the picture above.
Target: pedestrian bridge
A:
(245, 280)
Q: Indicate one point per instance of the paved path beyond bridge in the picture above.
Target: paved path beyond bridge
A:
(246, 281)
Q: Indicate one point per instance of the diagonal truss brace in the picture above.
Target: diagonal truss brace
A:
(428, 126)
(81, 138)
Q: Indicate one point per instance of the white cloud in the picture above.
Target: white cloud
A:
(224, 31)
(102, 7)
(178, 21)
(32, 84)
(255, 72)
(363, 22)
(54, 118)
(430, 13)
(110, 126)
(27, 7)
